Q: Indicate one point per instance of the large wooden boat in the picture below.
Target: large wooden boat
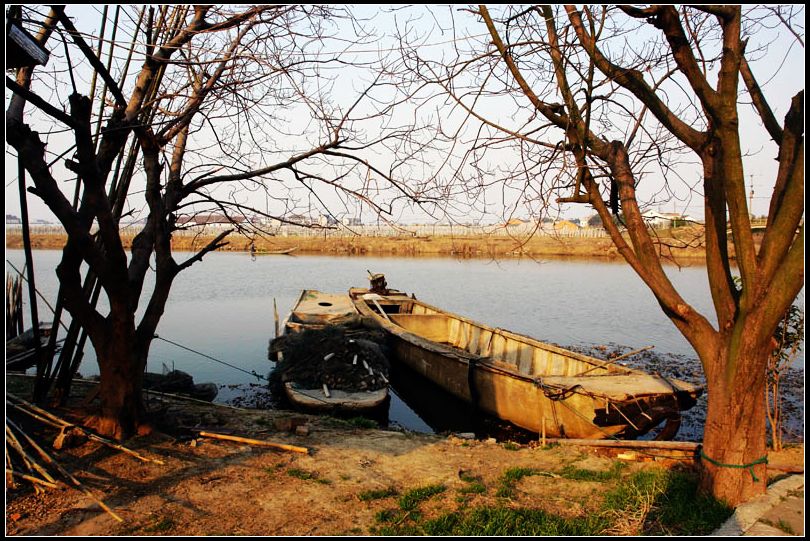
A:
(317, 310)
(537, 386)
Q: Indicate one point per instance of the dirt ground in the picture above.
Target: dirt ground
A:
(213, 487)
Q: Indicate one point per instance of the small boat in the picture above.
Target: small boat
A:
(21, 350)
(328, 318)
(536, 386)
(286, 251)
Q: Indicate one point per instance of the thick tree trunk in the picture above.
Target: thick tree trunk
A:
(734, 445)
(122, 411)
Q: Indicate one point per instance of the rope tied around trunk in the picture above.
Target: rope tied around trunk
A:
(749, 467)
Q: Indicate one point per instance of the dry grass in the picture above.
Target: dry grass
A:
(683, 244)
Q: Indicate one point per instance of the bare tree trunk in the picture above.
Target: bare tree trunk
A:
(734, 445)
(122, 411)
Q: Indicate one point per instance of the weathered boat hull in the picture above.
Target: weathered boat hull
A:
(338, 401)
(317, 310)
(533, 385)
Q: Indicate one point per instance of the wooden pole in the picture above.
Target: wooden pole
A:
(543, 432)
(32, 479)
(64, 424)
(239, 439)
(631, 444)
(66, 473)
(43, 366)
(611, 361)
(275, 317)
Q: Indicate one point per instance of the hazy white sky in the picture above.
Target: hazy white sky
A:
(781, 73)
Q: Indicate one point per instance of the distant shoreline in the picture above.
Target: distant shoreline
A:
(481, 246)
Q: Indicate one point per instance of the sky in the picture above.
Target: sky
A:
(781, 73)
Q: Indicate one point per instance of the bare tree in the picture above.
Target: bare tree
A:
(595, 103)
(226, 104)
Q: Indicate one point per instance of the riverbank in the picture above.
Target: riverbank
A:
(679, 244)
(356, 480)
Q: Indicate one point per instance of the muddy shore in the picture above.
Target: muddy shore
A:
(353, 480)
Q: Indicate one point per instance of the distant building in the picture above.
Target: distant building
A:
(665, 220)
(348, 221)
(213, 220)
(327, 220)
(298, 219)
(11, 219)
(565, 226)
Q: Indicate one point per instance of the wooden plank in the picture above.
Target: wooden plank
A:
(630, 444)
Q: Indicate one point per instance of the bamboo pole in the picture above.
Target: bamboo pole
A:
(275, 317)
(90, 435)
(611, 361)
(78, 484)
(239, 439)
(633, 444)
(29, 461)
(32, 479)
(9, 467)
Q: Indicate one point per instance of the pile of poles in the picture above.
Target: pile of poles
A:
(27, 461)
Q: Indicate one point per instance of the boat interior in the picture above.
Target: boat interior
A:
(517, 353)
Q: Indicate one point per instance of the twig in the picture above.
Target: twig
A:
(239, 439)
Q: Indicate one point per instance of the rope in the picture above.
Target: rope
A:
(252, 373)
(749, 467)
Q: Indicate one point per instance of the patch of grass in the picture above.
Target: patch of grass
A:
(305, 475)
(388, 515)
(476, 487)
(785, 527)
(163, 525)
(579, 474)
(549, 446)
(513, 475)
(781, 525)
(666, 502)
(411, 499)
(647, 502)
(510, 522)
(510, 477)
(362, 422)
(511, 446)
(377, 494)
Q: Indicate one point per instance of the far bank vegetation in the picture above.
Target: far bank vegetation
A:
(677, 243)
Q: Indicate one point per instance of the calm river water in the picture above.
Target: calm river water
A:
(223, 307)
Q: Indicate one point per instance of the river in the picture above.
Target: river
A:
(223, 306)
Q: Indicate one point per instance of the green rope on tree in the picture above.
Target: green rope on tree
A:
(749, 467)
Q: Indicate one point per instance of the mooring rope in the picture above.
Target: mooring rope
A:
(252, 372)
(749, 467)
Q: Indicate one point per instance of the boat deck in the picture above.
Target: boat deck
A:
(318, 308)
